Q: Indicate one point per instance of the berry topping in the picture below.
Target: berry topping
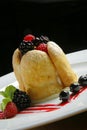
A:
(83, 80)
(21, 99)
(42, 47)
(44, 39)
(31, 42)
(41, 39)
(75, 87)
(64, 96)
(25, 47)
(37, 41)
(29, 38)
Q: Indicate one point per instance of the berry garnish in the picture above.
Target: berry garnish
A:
(10, 110)
(7, 107)
(42, 47)
(21, 99)
(29, 38)
(14, 101)
(25, 46)
(2, 116)
(75, 87)
(64, 96)
(83, 80)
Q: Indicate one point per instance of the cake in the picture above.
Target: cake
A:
(42, 68)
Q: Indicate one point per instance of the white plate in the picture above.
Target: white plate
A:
(22, 121)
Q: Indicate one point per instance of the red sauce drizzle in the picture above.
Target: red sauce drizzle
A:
(51, 107)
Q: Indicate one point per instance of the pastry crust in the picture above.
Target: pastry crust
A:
(36, 74)
(62, 64)
(16, 59)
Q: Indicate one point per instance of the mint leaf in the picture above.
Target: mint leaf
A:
(9, 91)
(3, 94)
(4, 103)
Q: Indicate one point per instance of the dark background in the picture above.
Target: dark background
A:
(63, 22)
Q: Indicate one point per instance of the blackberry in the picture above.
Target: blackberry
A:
(44, 39)
(41, 39)
(83, 80)
(64, 96)
(21, 99)
(37, 41)
(26, 46)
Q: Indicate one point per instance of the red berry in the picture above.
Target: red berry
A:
(10, 110)
(42, 47)
(29, 37)
(2, 116)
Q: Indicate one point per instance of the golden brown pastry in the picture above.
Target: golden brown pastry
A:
(42, 74)
(36, 74)
(61, 63)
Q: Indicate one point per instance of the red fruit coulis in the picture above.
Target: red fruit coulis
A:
(51, 107)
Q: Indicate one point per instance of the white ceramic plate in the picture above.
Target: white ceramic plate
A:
(50, 112)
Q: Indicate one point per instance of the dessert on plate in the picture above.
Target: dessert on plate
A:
(42, 68)
(43, 72)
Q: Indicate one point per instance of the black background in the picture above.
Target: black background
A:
(63, 22)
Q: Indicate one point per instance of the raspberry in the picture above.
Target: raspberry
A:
(10, 110)
(42, 47)
(29, 38)
(21, 99)
(2, 116)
